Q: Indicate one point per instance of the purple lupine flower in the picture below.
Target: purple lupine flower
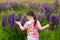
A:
(7, 4)
(54, 18)
(30, 4)
(18, 17)
(52, 8)
(23, 21)
(12, 3)
(3, 20)
(43, 7)
(11, 20)
(3, 3)
(34, 5)
(48, 7)
(48, 17)
(39, 17)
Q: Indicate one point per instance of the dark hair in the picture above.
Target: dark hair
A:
(31, 13)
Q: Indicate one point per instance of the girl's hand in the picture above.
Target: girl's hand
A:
(17, 22)
(47, 25)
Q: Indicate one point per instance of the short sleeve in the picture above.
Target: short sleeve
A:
(26, 24)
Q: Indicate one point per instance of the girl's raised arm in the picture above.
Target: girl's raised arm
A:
(21, 27)
(40, 27)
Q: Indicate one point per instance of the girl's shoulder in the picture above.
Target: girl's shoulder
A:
(28, 22)
(38, 21)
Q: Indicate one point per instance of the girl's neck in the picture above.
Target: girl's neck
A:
(32, 19)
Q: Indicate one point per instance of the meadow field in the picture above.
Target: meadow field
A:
(46, 10)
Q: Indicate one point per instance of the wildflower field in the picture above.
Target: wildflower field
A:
(45, 12)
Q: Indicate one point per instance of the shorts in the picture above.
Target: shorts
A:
(30, 37)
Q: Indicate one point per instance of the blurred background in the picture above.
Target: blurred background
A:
(47, 11)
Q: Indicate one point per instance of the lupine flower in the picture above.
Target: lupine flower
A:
(48, 17)
(11, 20)
(23, 21)
(3, 3)
(54, 18)
(34, 4)
(13, 3)
(48, 7)
(3, 20)
(30, 4)
(18, 17)
(52, 8)
(43, 7)
(39, 17)
(7, 4)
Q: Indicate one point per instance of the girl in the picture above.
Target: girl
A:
(32, 26)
